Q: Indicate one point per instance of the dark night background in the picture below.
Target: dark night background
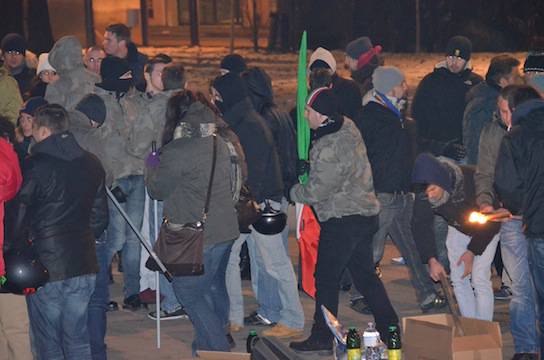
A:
(505, 25)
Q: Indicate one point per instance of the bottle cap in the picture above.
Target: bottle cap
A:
(252, 332)
(393, 327)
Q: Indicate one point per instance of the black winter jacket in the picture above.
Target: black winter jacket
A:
(63, 204)
(388, 146)
(136, 62)
(438, 106)
(481, 104)
(519, 172)
(263, 165)
(348, 94)
(456, 211)
(283, 130)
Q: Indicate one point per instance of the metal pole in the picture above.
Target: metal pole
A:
(231, 26)
(157, 279)
(143, 15)
(255, 28)
(144, 243)
(89, 23)
(193, 16)
(418, 29)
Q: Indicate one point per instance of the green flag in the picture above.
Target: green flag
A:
(303, 129)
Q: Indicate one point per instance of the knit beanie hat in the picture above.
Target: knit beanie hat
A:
(534, 62)
(322, 58)
(31, 105)
(43, 63)
(232, 89)
(13, 42)
(324, 102)
(385, 78)
(93, 107)
(459, 46)
(429, 170)
(361, 49)
(233, 63)
(116, 75)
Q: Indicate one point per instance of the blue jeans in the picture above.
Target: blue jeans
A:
(273, 263)
(206, 300)
(440, 234)
(522, 305)
(536, 265)
(58, 318)
(395, 219)
(264, 286)
(169, 303)
(120, 235)
(98, 305)
(474, 293)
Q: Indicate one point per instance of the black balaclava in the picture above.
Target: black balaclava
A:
(232, 89)
(115, 75)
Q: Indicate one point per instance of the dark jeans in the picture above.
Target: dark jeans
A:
(536, 265)
(58, 319)
(206, 300)
(441, 233)
(395, 220)
(98, 305)
(347, 242)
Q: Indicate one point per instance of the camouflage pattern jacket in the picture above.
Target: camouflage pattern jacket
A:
(340, 178)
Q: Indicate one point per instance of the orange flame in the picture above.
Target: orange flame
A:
(477, 217)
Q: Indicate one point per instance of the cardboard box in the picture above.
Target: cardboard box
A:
(435, 337)
(220, 355)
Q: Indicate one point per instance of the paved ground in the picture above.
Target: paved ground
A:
(131, 335)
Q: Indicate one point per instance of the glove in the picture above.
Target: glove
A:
(152, 160)
(454, 150)
(303, 167)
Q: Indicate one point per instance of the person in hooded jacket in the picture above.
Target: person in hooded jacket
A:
(14, 49)
(74, 80)
(229, 94)
(14, 328)
(439, 101)
(518, 180)
(63, 204)
(447, 189)
(117, 42)
(482, 101)
(45, 75)
(173, 176)
(120, 99)
(10, 98)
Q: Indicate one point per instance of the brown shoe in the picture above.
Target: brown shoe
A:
(282, 331)
(235, 328)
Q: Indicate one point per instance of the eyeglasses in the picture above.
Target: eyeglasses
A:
(13, 52)
(98, 59)
(48, 73)
(455, 58)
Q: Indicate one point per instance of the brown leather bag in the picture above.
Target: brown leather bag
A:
(181, 246)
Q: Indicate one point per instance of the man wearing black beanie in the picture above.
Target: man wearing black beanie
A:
(229, 94)
(341, 192)
(13, 53)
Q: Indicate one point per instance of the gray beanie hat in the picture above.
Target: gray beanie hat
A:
(358, 47)
(385, 78)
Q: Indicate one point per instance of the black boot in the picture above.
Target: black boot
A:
(313, 345)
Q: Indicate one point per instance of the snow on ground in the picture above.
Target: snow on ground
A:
(202, 65)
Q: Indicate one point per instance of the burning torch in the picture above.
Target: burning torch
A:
(476, 217)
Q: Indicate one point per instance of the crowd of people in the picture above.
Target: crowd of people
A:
(111, 121)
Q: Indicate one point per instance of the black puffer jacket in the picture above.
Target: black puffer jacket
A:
(259, 85)
(519, 172)
(456, 211)
(438, 106)
(63, 202)
(264, 173)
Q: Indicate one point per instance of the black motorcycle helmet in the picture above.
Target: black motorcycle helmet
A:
(271, 222)
(24, 272)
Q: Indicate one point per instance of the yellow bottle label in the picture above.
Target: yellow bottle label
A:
(394, 354)
(354, 354)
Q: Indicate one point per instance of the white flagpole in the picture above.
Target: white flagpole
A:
(157, 279)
